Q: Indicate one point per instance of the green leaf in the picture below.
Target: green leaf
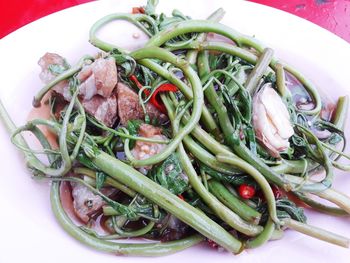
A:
(122, 209)
(271, 77)
(170, 175)
(100, 180)
(334, 139)
(124, 61)
(285, 209)
(133, 127)
(235, 180)
(84, 160)
(57, 69)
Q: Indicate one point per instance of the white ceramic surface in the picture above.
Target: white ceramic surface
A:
(29, 231)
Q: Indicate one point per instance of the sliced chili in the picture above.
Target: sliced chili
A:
(155, 99)
(138, 10)
(181, 197)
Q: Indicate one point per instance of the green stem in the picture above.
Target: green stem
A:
(263, 237)
(341, 112)
(109, 181)
(259, 70)
(330, 210)
(165, 199)
(191, 55)
(329, 194)
(318, 233)
(208, 159)
(228, 216)
(281, 82)
(232, 202)
(251, 58)
(259, 178)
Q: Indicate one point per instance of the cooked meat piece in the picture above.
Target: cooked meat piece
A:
(98, 81)
(98, 78)
(84, 73)
(149, 131)
(85, 202)
(129, 107)
(144, 150)
(103, 109)
(45, 61)
(47, 76)
(88, 89)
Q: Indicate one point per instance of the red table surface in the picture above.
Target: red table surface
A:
(333, 15)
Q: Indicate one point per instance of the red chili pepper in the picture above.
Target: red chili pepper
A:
(246, 191)
(137, 83)
(138, 10)
(181, 197)
(155, 100)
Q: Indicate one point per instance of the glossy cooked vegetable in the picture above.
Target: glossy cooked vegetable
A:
(211, 131)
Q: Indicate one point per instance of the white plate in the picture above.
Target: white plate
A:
(28, 229)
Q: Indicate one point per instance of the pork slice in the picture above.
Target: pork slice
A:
(106, 77)
(129, 107)
(98, 78)
(85, 202)
(103, 109)
(88, 89)
(47, 76)
(45, 62)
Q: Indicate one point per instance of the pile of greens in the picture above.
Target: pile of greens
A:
(213, 174)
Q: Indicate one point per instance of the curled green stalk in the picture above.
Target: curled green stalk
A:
(206, 117)
(131, 18)
(198, 100)
(251, 58)
(135, 233)
(326, 163)
(204, 26)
